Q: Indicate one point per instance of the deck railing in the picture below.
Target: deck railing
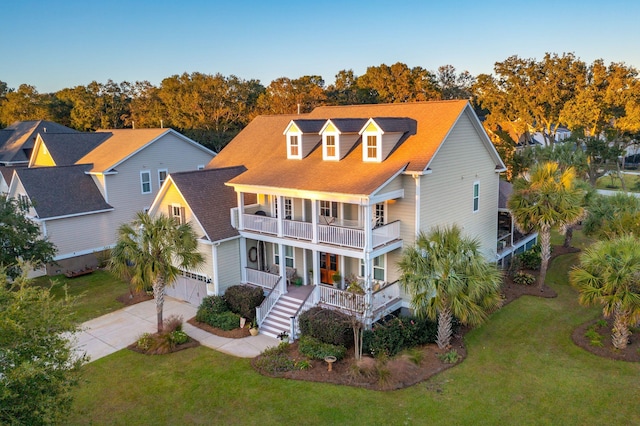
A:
(299, 230)
(262, 279)
(341, 299)
(263, 224)
(268, 303)
(385, 295)
(309, 302)
(346, 237)
(386, 233)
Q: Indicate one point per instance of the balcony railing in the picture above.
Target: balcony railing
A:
(342, 299)
(344, 236)
(262, 279)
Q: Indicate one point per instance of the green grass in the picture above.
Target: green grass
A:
(632, 183)
(96, 292)
(522, 368)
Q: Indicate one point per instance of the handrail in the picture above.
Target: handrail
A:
(305, 306)
(268, 303)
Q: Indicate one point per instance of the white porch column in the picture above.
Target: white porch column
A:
(316, 267)
(314, 222)
(282, 268)
(243, 259)
(368, 290)
(280, 203)
(240, 197)
(305, 269)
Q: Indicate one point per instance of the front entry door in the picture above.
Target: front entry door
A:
(328, 267)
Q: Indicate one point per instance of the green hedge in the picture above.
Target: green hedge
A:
(313, 348)
(327, 325)
(243, 300)
(398, 333)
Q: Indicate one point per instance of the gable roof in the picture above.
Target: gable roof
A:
(61, 191)
(67, 148)
(210, 199)
(18, 139)
(261, 148)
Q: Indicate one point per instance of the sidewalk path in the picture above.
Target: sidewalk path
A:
(109, 333)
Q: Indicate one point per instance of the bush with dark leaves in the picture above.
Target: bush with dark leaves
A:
(398, 333)
(327, 325)
(243, 300)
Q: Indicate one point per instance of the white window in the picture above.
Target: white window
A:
(293, 142)
(378, 268)
(288, 207)
(288, 256)
(200, 166)
(379, 214)
(328, 208)
(23, 202)
(476, 196)
(145, 181)
(162, 176)
(177, 213)
(330, 151)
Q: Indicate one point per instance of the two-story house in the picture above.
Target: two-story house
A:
(83, 186)
(340, 191)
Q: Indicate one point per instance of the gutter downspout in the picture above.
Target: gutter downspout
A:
(416, 178)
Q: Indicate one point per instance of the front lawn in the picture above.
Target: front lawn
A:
(96, 292)
(521, 368)
(612, 182)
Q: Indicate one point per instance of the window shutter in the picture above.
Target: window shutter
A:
(169, 211)
(182, 215)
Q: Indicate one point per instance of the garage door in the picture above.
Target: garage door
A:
(188, 289)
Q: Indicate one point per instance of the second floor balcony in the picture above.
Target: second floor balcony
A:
(343, 233)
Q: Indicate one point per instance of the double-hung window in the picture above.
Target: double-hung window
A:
(330, 147)
(145, 181)
(177, 213)
(162, 176)
(288, 256)
(378, 268)
(294, 146)
(328, 208)
(476, 196)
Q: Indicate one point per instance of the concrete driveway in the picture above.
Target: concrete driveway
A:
(109, 333)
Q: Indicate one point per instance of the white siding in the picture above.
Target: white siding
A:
(447, 193)
(228, 264)
(81, 234)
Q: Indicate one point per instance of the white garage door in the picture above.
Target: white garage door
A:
(188, 289)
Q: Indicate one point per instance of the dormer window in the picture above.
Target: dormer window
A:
(330, 147)
(294, 146)
(371, 153)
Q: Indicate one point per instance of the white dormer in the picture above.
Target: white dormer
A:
(302, 136)
(294, 141)
(371, 142)
(330, 142)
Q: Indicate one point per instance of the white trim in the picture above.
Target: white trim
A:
(83, 252)
(73, 215)
(475, 185)
(142, 191)
(166, 175)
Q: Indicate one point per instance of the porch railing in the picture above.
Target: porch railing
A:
(334, 234)
(309, 302)
(341, 299)
(268, 303)
(386, 294)
(262, 279)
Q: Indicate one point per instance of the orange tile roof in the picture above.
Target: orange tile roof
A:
(261, 148)
(118, 147)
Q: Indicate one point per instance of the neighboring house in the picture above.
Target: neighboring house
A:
(83, 186)
(17, 140)
(202, 199)
(342, 190)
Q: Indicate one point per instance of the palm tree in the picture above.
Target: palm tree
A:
(147, 249)
(546, 199)
(609, 274)
(447, 277)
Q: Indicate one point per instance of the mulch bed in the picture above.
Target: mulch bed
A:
(129, 299)
(631, 353)
(236, 333)
(191, 343)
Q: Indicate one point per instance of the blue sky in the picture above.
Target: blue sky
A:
(56, 44)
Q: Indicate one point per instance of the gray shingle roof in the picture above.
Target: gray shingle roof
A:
(67, 148)
(17, 140)
(349, 125)
(210, 199)
(310, 126)
(396, 124)
(62, 191)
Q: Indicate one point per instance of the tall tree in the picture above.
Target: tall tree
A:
(447, 277)
(38, 366)
(529, 93)
(24, 104)
(287, 96)
(146, 251)
(453, 85)
(20, 238)
(609, 275)
(399, 83)
(345, 90)
(544, 199)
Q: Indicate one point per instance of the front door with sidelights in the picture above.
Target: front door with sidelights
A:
(328, 267)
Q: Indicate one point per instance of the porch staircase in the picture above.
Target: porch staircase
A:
(279, 319)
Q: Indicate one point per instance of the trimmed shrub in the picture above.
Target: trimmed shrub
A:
(530, 259)
(327, 325)
(275, 360)
(396, 334)
(243, 300)
(178, 337)
(210, 307)
(523, 278)
(313, 348)
(225, 321)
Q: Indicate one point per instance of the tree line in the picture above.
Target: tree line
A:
(599, 103)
